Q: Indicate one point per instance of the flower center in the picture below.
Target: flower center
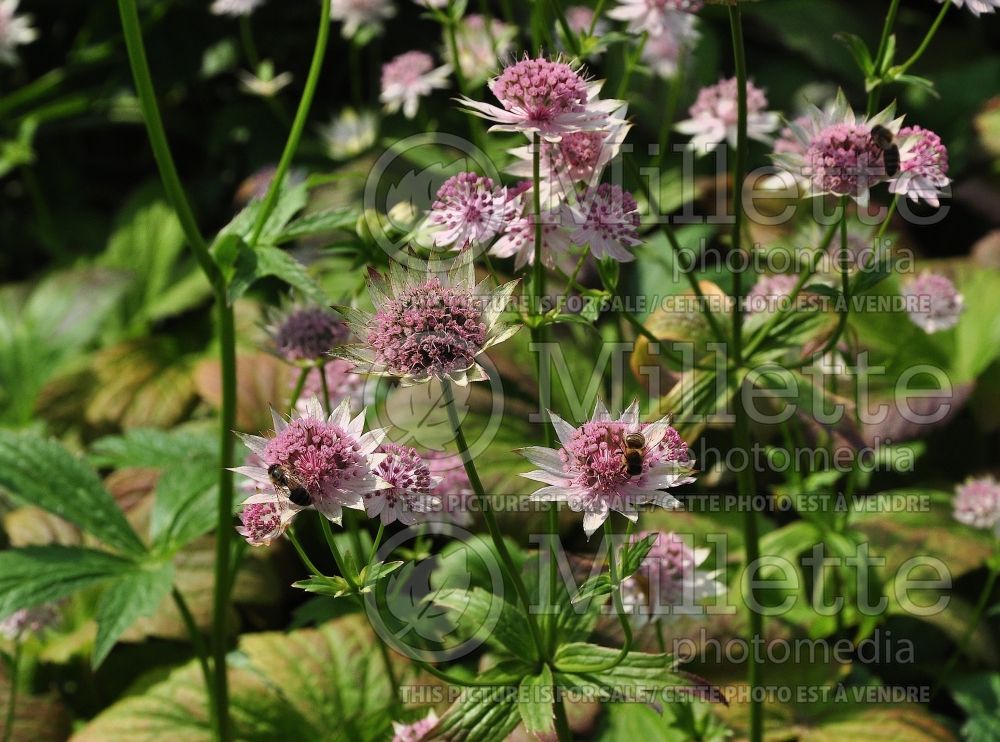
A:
(540, 88)
(320, 455)
(843, 159)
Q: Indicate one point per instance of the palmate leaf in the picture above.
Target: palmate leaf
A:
(490, 618)
(481, 714)
(129, 597)
(40, 472)
(315, 684)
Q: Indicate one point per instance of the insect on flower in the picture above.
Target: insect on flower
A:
(634, 445)
(284, 479)
(883, 139)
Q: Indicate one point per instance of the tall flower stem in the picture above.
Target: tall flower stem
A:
(197, 641)
(246, 38)
(741, 428)
(299, 386)
(513, 573)
(15, 671)
(219, 691)
(977, 616)
(298, 124)
(883, 46)
(927, 39)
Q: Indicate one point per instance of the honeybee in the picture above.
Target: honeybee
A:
(282, 478)
(890, 152)
(632, 453)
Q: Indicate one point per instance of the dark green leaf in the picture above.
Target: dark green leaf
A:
(153, 448)
(535, 703)
(130, 597)
(333, 587)
(490, 618)
(319, 223)
(185, 504)
(266, 260)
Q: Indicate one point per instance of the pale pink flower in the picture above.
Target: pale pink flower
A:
(480, 43)
(469, 210)
(408, 497)
(714, 117)
(668, 582)
(832, 150)
(453, 488)
(430, 326)
(518, 237)
(15, 31)
(414, 732)
(331, 457)
(977, 7)
(590, 474)
(977, 503)
(607, 220)
(546, 96)
(769, 293)
(408, 78)
(350, 133)
(305, 335)
(923, 165)
(265, 517)
(29, 621)
(652, 16)
(358, 13)
(235, 8)
(933, 302)
(664, 52)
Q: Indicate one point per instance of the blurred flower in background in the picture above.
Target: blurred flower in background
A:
(15, 31)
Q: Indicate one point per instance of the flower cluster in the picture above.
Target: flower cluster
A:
(408, 78)
(936, 303)
(713, 116)
(15, 31)
(235, 8)
(977, 503)
(28, 621)
(469, 210)
(357, 14)
(306, 335)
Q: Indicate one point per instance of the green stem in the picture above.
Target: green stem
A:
(325, 386)
(927, 39)
(15, 671)
(249, 48)
(299, 385)
(598, 10)
(630, 61)
(302, 553)
(197, 640)
(338, 557)
(674, 87)
(491, 522)
(883, 45)
(301, 115)
(563, 732)
(375, 545)
(977, 616)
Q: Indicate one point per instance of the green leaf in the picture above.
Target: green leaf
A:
(128, 598)
(266, 260)
(633, 554)
(535, 703)
(491, 619)
(979, 697)
(859, 50)
(185, 504)
(319, 223)
(42, 473)
(481, 714)
(370, 575)
(153, 448)
(333, 587)
(595, 587)
(42, 574)
(579, 665)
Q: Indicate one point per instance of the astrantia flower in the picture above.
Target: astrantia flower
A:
(518, 237)
(265, 83)
(469, 209)
(977, 7)
(480, 43)
(408, 497)
(235, 7)
(590, 474)
(579, 19)
(265, 517)
(430, 326)
(545, 96)
(28, 621)
(331, 457)
(414, 732)
(341, 383)
(350, 134)
(15, 31)
(663, 53)
(769, 293)
(306, 335)
(652, 16)
(358, 13)
(832, 151)
(408, 78)
(607, 219)
(714, 116)
(977, 503)
(452, 489)
(933, 302)
(668, 581)
(923, 165)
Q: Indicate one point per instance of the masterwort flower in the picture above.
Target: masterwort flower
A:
(606, 219)
(358, 13)
(469, 210)
(350, 133)
(235, 8)
(546, 96)
(977, 7)
(331, 457)
(977, 503)
(518, 237)
(305, 335)
(923, 165)
(590, 473)
(408, 498)
(413, 732)
(714, 116)
(652, 16)
(453, 488)
(265, 83)
(664, 52)
(428, 327)
(769, 293)
(15, 31)
(409, 77)
(480, 42)
(832, 150)
(933, 302)
(265, 517)
(29, 621)
(668, 581)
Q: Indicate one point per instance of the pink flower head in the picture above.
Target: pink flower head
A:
(923, 165)
(590, 473)
(414, 732)
(407, 498)
(714, 116)
(306, 335)
(235, 8)
(977, 503)
(453, 488)
(409, 77)
(358, 13)
(546, 96)
(607, 220)
(264, 518)
(15, 31)
(768, 294)
(933, 302)
(977, 7)
(428, 327)
(652, 16)
(331, 457)
(29, 621)
(479, 44)
(668, 581)
(470, 210)
(341, 383)
(518, 237)
(664, 52)
(832, 150)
